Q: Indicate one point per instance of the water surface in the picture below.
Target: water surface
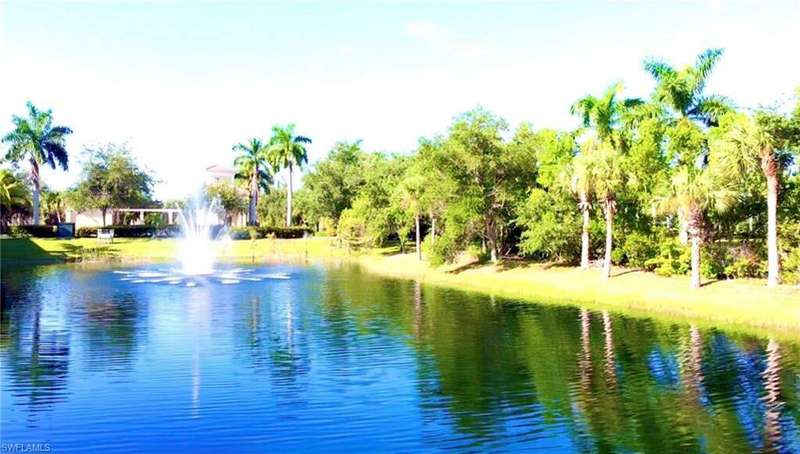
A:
(333, 359)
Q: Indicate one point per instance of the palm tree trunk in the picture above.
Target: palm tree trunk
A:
(773, 259)
(609, 238)
(35, 179)
(419, 244)
(289, 199)
(584, 232)
(251, 209)
(694, 234)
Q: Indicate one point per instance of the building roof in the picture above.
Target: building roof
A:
(217, 168)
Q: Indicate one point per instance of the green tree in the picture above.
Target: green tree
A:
(53, 205)
(36, 139)
(693, 192)
(230, 197)
(333, 183)
(491, 177)
(286, 150)
(111, 179)
(252, 166)
(271, 207)
(15, 197)
(609, 178)
(750, 144)
(601, 172)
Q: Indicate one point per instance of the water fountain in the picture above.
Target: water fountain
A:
(200, 239)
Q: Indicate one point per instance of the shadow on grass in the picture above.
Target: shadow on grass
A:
(24, 250)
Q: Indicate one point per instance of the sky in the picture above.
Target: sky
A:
(181, 82)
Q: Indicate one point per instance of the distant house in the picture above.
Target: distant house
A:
(217, 173)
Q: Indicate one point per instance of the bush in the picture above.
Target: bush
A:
(253, 232)
(673, 258)
(131, 231)
(638, 249)
(36, 231)
(714, 258)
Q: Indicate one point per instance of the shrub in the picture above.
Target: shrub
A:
(714, 258)
(36, 231)
(131, 231)
(252, 232)
(638, 249)
(673, 258)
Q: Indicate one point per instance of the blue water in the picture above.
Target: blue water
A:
(333, 359)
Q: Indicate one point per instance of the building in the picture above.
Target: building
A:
(94, 218)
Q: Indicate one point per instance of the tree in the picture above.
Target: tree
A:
(53, 206)
(683, 90)
(285, 151)
(111, 179)
(15, 197)
(602, 172)
(490, 176)
(609, 178)
(692, 192)
(332, 185)
(271, 207)
(582, 184)
(408, 196)
(231, 198)
(36, 139)
(682, 93)
(252, 166)
(760, 143)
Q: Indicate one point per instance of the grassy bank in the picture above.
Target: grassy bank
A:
(744, 305)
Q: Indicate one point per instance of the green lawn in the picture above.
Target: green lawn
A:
(744, 305)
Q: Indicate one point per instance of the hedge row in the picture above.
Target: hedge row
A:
(36, 231)
(246, 233)
(131, 231)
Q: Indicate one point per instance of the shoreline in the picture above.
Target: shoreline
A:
(739, 305)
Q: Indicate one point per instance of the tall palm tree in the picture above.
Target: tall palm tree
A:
(751, 145)
(582, 184)
(682, 92)
(609, 178)
(603, 115)
(36, 139)
(252, 165)
(287, 150)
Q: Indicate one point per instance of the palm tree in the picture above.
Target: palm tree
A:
(602, 114)
(36, 139)
(749, 144)
(582, 184)
(682, 91)
(285, 151)
(691, 193)
(609, 177)
(52, 205)
(15, 198)
(252, 165)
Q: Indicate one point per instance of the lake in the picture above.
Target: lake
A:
(330, 358)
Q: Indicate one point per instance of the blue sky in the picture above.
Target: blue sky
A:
(181, 82)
